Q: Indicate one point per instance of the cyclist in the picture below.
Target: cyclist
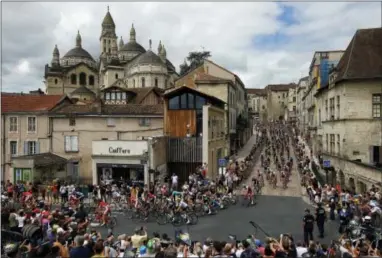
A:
(248, 194)
(105, 209)
(181, 208)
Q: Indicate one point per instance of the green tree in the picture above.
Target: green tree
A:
(195, 59)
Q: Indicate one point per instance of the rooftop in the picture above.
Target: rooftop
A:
(28, 102)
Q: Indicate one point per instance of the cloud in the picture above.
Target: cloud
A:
(262, 42)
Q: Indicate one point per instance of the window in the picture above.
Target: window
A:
(338, 144)
(123, 95)
(156, 82)
(331, 108)
(377, 105)
(13, 148)
(72, 121)
(327, 142)
(71, 143)
(319, 117)
(112, 95)
(133, 83)
(200, 101)
(165, 83)
(13, 121)
(116, 76)
(191, 101)
(294, 99)
(73, 79)
(173, 103)
(143, 82)
(55, 81)
(118, 95)
(338, 107)
(82, 78)
(183, 101)
(91, 80)
(104, 49)
(110, 121)
(107, 95)
(294, 108)
(326, 110)
(31, 147)
(332, 143)
(32, 124)
(144, 121)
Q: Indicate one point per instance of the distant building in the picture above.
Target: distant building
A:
(277, 100)
(257, 102)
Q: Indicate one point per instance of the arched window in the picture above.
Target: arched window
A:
(156, 82)
(143, 82)
(55, 81)
(116, 76)
(82, 78)
(73, 79)
(91, 80)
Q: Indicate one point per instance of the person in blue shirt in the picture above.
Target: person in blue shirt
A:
(79, 251)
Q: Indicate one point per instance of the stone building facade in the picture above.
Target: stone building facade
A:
(127, 65)
(350, 128)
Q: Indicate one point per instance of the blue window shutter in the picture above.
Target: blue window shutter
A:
(37, 147)
(25, 148)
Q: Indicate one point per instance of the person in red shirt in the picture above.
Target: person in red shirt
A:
(27, 196)
(105, 209)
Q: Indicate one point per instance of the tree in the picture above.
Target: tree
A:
(195, 59)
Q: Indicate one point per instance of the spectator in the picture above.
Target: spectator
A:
(79, 250)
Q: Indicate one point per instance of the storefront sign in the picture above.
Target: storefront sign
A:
(118, 150)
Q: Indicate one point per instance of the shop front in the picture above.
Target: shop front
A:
(120, 160)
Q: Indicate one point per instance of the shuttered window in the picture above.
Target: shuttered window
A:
(71, 143)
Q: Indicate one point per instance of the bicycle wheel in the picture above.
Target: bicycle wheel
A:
(112, 222)
(162, 219)
(193, 218)
(177, 221)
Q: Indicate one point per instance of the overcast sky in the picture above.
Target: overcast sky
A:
(263, 43)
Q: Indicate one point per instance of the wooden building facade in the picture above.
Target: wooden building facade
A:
(183, 125)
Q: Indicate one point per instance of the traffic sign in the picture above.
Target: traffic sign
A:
(326, 163)
(222, 162)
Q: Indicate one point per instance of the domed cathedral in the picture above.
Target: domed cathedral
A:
(130, 65)
(123, 65)
(76, 69)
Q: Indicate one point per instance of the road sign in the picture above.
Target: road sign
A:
(222, 162)
(326, 163)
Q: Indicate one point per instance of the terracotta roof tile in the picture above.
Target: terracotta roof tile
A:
(28, 102)
(260, 92)
(363, 56)
(97, 108)
(207, 77)
(280, 87)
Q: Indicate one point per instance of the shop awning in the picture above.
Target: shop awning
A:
(44, 159)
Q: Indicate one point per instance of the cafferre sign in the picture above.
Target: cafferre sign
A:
(119, 148)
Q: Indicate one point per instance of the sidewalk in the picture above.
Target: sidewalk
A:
(243, 152)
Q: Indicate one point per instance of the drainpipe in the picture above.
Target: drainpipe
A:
(3, 148)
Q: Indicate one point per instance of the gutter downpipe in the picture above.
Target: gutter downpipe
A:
(3, 147)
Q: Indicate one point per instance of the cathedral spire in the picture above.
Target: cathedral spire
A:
(159, 47)
(108, 20)
(78, 40)
(56, 57)
(132, 33)
(121, 43)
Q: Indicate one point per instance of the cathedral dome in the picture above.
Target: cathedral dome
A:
(78, 52)
(133, 46)
(77, 55)
(149, 58)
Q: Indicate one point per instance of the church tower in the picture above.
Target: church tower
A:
(108, 37)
